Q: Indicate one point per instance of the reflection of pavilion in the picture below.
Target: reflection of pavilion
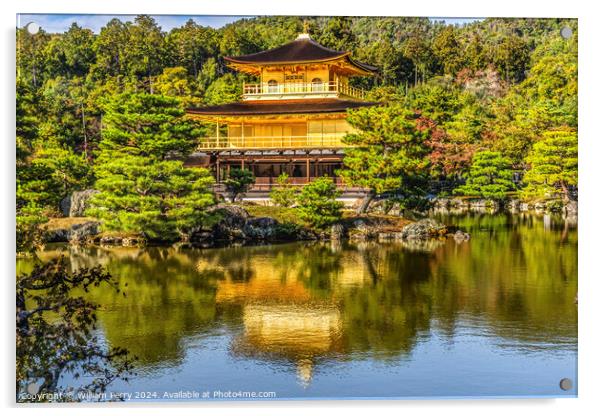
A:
(297, 332)
(299, 305)
(282, 318)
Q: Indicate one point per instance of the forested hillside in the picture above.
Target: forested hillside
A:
(502, 89)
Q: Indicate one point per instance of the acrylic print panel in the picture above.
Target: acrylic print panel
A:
(272, 208)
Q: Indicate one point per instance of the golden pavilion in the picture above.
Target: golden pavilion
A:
(291, 121)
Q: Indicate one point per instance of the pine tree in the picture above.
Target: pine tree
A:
(317, 204)
(144, 187)
(553, 162)
(285, 193)
(389, 153)
(490, 176)
(238, 182)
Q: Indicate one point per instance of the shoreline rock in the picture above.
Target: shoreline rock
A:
(74, 234)
(513, 205)
(234, 225)
(76, 204)
(424, 229)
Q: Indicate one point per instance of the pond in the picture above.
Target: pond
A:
(494, 316)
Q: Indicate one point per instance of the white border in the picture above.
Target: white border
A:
(590, 139)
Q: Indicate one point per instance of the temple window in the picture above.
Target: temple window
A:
(272, 86)
(317, 84)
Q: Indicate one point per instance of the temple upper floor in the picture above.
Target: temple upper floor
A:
(301, 69)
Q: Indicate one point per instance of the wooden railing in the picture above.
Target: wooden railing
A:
(251, 90)
(273, 142)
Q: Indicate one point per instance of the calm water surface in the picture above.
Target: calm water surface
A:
(494, 316)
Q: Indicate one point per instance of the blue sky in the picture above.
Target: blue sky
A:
(58, 23)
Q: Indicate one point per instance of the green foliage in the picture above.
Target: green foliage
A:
(50, 176)
(143, 188)
(27, 122)
(445, 48)
(46, 172)
(192, 46)
(497, 84)
(490, 176)
(147, 125)
(72, 54)
(545, 100)
(337, 33)
(417, 49)
(31, 59)
(146, 52)
(317, 204)
(511, 57)
(56, 338)
(285, 193)
(175, 82)
(389, 150)
(29, 236)
(238, 182)
(553, 165)
(225, 89)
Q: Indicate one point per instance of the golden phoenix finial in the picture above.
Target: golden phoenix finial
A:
(305, 26)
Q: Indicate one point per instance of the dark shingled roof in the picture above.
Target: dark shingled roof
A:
(331, 105)
(302, 49)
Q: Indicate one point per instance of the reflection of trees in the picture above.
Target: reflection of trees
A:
(166, 299)
(517, 272)
(385, 318)
(301, 303)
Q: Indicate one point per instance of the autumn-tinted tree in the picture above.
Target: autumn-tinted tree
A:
(447, 157)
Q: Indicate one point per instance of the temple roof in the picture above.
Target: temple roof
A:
(331, 105)
(302, 50)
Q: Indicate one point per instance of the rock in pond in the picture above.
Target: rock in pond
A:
(261, 228)
(461, 236)
(231, 224)
(423, 229)
(337, 232)
(76, 233)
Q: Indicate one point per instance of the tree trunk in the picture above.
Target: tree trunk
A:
(366, 202)
(84, 131)
(566, 196)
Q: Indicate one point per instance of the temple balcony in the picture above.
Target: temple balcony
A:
(309, 141)
(290, 91)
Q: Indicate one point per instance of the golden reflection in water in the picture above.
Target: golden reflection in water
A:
(298, 332)
(304, 304)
